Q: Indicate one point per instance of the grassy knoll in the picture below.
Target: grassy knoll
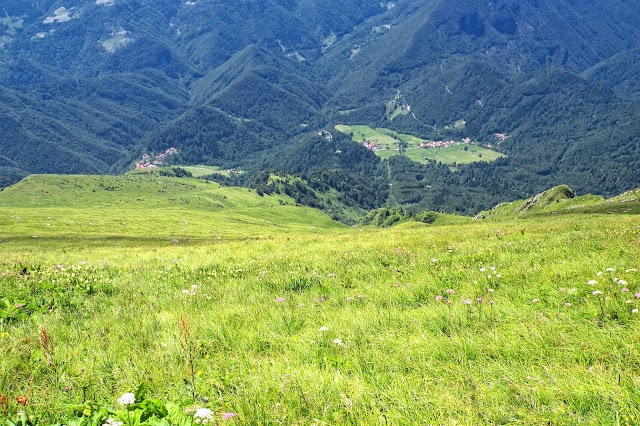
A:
(490, 322)
(143, 209)
(562, 200)
(388, 141)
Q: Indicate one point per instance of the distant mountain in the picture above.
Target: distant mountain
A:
(424, 48)
(620, 72)
(89, 87)
(564, 129)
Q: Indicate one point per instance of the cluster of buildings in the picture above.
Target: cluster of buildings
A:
(153, 161)
(500, 136)
(437, 144)
(370, 145)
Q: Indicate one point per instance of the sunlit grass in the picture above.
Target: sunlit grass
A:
(330, 325)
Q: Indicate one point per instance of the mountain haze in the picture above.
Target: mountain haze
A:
(91, 86)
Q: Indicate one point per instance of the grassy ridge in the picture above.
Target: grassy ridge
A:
(137, 190)
(107, 210)
(562, 200)
(398, 348)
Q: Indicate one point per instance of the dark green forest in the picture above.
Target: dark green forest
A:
(259, 87)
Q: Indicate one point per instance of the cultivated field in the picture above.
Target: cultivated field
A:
(268, 313)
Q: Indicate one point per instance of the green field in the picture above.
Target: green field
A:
(218, 298)
(201, 170)
(388, 141)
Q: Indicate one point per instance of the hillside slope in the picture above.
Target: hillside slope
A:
(272, 314)
(148, 207)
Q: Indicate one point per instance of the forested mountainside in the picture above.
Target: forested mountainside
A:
(89, 86)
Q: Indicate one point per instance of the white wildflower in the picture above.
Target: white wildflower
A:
(127, 399)
(203, 416)
(596, 293)
(338, 342)
(324, 328)
(592, 282)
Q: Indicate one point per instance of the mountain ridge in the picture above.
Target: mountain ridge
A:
(237, 85)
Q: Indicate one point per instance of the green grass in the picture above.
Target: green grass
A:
(141, 191)
(112, 312)
(562, 200)
(143, 208)
(455, 154)
(394, 110)
(201, 170)
(388, 141)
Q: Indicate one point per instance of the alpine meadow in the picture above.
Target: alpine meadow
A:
(304, 212)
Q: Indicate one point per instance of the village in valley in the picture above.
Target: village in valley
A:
(383, 142)
(373, 145)
(152, 161)
(386, 143)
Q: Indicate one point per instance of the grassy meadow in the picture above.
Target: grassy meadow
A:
(268, 313)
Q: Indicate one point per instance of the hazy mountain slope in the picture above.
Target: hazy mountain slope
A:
(89, 86)
(424, 44)
(255, 102)
(81, 127)
(89, 39)
(564, 129)
(53, 51)
(620, 72)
